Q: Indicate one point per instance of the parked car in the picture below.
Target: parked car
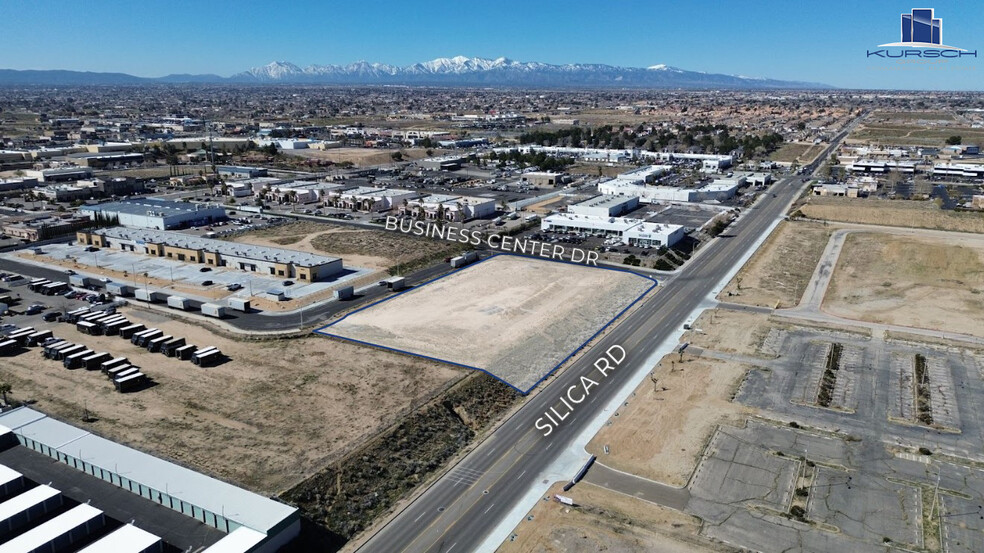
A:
(288, 283)
(69, 272)
(234, 286)
(49, 316)
(204, 269)
(207, 283)
(34, 309)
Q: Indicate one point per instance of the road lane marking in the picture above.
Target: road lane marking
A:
(489, 509)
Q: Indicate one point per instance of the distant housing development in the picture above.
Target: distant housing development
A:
(217, 253)
(152, 213)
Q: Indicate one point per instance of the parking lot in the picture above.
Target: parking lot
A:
(865, 443)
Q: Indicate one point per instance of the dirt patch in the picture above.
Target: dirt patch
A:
(780, 270)
(289, 406)
(896, 213)
(797, 152)
(603, 520)
(394, 247)
(920, 282)
(662, 432)
(359, 247)
(351, 493)
(729, 331)
(364, 156)
(514, 316)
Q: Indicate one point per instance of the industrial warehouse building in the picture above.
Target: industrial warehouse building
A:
(720, 189)
(606, 205)
(448, 207)
(633, 232)
(445, 163)
(153, 213)
(278, 262)
(94, 469)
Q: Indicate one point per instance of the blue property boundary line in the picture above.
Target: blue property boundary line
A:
(655, 283)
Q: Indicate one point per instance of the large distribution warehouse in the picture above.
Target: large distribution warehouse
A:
(278, 262)
(153, 213)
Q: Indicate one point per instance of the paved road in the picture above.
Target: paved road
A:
(460, 510)
(637, 486)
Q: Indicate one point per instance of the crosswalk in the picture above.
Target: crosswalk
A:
(464, 476)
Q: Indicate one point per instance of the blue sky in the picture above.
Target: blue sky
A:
(809, 41)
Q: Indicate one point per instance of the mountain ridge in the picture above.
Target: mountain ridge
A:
(454, 71)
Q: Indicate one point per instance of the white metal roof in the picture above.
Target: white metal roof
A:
(30, 498)
(128, 539)
(239, 505)
(7, 474)
(46, 533)
(239, 540)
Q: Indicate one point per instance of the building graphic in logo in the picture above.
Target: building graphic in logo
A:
(921, 30)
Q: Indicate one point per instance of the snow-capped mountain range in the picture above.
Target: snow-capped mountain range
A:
(461, 70)
(456, 71)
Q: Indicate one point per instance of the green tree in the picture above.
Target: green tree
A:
(5, 389)
(397, 156)
(954, 140)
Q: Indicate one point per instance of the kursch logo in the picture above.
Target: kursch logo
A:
(921, 37)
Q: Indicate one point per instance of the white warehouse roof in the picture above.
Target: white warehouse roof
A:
(236, 504)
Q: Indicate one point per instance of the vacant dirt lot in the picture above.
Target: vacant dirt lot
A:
(373, 249)
(781, 269)
(513, 316)
(924, 282)
(662, 431)
(363, 156)
(797, 152)
(603, 520)
(729, 331)
(896, 213)
(289, 407)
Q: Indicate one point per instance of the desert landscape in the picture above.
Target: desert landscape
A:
(901, 213)
(777, 275)
(925, 282)
(516, 317)
(291, 405)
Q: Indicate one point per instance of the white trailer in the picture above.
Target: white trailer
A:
(239, 304)
(144, 294)
(213, 310)
(177, 302)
